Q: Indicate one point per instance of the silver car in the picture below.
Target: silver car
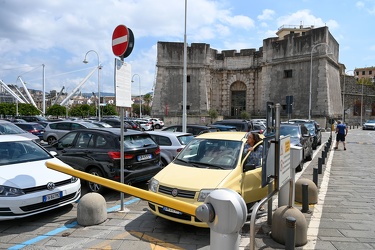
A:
(170, 143)
(55, 130)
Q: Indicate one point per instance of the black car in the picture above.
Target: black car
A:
(313, 128)
(194, 129)
(32, 127)
(32, 118)
(299, 136)
(97, 151)
(116, 123)
(241, 125)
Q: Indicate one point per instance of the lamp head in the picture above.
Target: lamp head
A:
(85, 61)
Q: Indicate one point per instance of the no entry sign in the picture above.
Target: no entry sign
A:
(120, 40)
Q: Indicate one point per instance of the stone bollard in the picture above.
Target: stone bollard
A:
(91, 210)
(312, 191)
(279, 225)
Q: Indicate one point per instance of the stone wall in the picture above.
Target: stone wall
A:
(214, 78)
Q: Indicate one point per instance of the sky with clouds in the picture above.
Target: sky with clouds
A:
(59, 33)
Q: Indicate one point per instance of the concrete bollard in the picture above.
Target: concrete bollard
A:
(279, 225)
(312, 190)
(91, 210)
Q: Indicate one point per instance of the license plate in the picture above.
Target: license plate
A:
(144, 157)
(53, 196)
(167, 209)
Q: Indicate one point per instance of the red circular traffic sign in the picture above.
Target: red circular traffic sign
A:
(120, 40)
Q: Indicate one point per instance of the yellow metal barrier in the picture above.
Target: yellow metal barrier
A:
(143, 194)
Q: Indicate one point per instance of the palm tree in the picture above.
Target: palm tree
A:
(147, 98)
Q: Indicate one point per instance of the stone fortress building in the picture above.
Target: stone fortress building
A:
(231, 82)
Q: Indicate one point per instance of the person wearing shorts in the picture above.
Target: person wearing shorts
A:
(341, 132)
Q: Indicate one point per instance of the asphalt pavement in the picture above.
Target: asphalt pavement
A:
(342, 219)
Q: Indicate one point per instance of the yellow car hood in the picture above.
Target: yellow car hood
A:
(191, 178)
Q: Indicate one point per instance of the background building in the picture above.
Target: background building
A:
(232, 82)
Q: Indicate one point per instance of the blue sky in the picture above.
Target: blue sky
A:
(58, 34)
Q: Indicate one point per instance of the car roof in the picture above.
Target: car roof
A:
(116, 131)
(71, 121)
(167, 133)
(190, 125)
(15, 137)
(233, 120)
(232, 136)
(222, 126)
(291, 124)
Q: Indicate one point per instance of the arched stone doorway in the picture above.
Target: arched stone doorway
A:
(238, 98)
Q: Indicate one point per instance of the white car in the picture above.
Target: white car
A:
(157, 123)
(369, 124)
(27, 186)
(145, 125)
(170, 143)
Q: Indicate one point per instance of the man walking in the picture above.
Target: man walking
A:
(341, 132)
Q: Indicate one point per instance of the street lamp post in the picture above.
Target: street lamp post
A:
(140, 95)
(343, 96)
(311, 56)
(361, 104)
(99, 67)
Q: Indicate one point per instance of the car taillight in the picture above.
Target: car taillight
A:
(116, 155)
(157, 151)
(179, 150)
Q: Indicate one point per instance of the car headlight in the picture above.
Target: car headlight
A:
(153, 185)
(6, 191)
(73, 179)
(203, 194)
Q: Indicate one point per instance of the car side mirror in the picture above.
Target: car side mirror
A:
(54, 153)
(248, 167)
(58, 145)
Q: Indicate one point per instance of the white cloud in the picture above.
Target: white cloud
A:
(305, 18)
(267, 14)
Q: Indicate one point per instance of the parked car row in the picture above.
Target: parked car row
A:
(172, 160)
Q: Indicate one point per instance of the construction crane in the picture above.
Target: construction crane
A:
(11, 92)
(27, 92)
(57, 98)
(78, 86)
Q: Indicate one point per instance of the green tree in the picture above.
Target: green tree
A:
(135, 109)
(7, 109)
(82, 110)
(56, 110)
(146, 110)
(27, 109)
(244, 115)
(213, 114)
(147, 98)
(109, 109)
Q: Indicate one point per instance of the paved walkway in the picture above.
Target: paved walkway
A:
(344, 217)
